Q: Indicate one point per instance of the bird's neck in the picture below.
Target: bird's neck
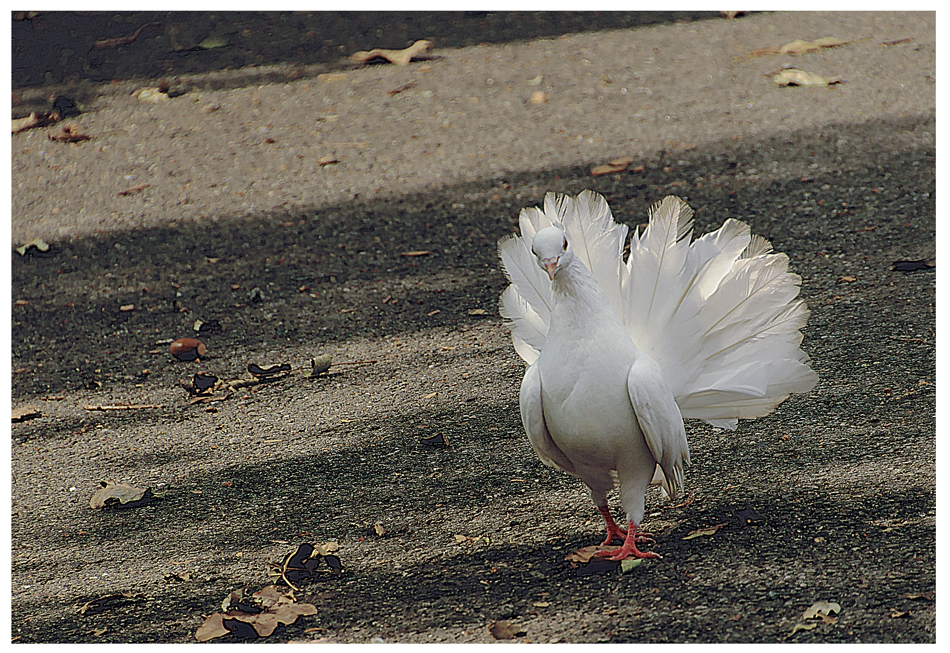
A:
(577, 292)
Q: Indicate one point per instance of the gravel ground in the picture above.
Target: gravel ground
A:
(234, 198)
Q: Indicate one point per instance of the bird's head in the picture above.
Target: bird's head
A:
(552, 250)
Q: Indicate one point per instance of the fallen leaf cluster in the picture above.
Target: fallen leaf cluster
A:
(257, 615)
(307, 564)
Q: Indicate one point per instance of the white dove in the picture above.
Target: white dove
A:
(619, 352)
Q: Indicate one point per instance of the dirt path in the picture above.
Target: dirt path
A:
(841, 179)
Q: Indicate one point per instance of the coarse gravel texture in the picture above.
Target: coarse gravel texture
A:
(842, 179)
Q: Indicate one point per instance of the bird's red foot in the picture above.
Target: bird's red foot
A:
(629, 548)
(612, 529)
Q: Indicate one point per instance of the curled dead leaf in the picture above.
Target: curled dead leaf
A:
(70, 134)
(418, 50)
(120, 495)
(320, 364)
(820, 608)
(795, 77)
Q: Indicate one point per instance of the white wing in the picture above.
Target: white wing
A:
(660, 421)
(532, 416)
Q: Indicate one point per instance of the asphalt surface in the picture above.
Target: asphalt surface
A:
(181, 209)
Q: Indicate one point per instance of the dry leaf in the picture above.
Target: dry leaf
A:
(253, 617)
(541, 604)
(416, 252)
(821, 608)
(35, 120)
(327, 159)
(798, 46)
(320, 364)
(24, 413)
(795, 77)
(617, 165)
(699, 532)
(478, 311)
(120, 495)
(503, 630)
(905, 266)
(418, 50)
(429, 396)
(584, 555)
(803, 625)
(70, 134)
(379, 528)
(150, 95)
(849, 278)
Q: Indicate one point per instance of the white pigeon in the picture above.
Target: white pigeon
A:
(619, 352)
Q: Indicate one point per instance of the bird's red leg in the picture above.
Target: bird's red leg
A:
(629, 547)
(612, 529)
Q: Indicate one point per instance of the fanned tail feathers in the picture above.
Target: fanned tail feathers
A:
(719, 315)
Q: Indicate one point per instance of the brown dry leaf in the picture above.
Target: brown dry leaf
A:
(503, 629)
(270, 608)
(584, 554)
(429, 396)
(415, 252)
(849, 278)
(795, 77)
(379, 528)
(617, 165)
(24, 413)
(120, 495)
(418, 50)
(35, 120)
(22, 124)
(70, 134)
(699, 532)
(478, 311)
(328, 547)
(327, 159)
(897, 614)
(212, 628)
(798, 46)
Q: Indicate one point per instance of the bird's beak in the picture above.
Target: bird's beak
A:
(550, 264)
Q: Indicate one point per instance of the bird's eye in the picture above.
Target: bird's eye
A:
(565, 243)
